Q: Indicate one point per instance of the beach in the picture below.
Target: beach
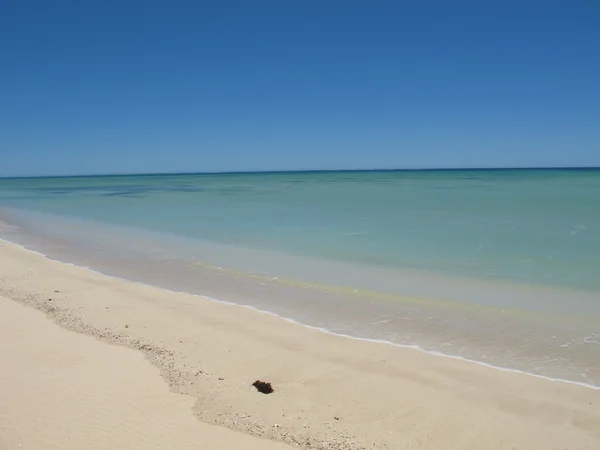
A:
(331, 392)
(322, 226)
(62, 391)
(494, 266)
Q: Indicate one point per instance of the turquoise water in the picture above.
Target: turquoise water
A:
(522, 243)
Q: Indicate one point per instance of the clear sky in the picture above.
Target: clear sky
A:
(124, 86)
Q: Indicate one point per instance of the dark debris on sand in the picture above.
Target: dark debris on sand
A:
(262, 386)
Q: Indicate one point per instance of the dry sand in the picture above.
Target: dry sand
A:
(60, 390)
(63, 390)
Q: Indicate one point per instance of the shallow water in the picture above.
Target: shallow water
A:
(496, 266)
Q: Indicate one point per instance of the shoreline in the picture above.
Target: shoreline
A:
(317, 328)
(317, 376)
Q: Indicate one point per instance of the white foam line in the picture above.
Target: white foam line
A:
(320, 329)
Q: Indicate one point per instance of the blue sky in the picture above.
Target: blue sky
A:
(157, 86)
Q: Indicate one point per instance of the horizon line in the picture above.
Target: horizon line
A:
(250, 172)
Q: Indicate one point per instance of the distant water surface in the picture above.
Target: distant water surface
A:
(498, 266)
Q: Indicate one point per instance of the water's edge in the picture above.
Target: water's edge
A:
(320, 329)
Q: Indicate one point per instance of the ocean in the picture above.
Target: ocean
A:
(500, 267)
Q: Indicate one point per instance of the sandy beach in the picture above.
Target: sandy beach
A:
(61, 390)
(107, 363)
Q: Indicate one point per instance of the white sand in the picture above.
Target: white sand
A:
(59, 389)
(62, 390)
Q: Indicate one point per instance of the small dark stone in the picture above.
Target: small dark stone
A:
(263, 387)
(336, 418)
(126, 326)
(49, 299)
(56, 292)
